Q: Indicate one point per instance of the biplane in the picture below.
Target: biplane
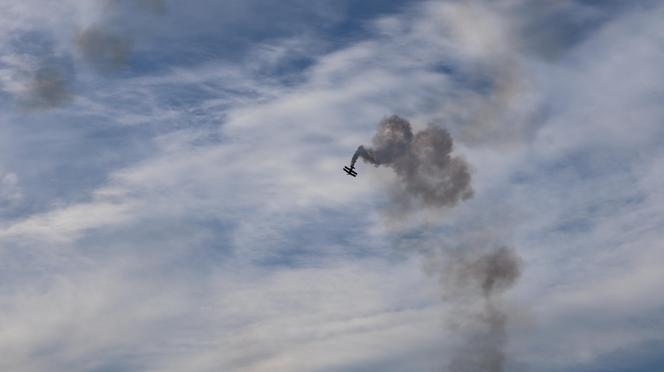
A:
(350, 171)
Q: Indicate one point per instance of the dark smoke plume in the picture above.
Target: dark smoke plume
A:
(472, 280)
(470, 286)
(487, 274)
(428, 173)
(484, 348)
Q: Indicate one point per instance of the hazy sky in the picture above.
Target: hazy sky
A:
(171, 193)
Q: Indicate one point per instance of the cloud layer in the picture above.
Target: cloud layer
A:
(171, 193)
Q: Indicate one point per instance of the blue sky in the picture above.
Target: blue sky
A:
(171, 194)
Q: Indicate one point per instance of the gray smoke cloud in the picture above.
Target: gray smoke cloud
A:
(429, 175)
(484, 349)
(484, 275)
(472, 283)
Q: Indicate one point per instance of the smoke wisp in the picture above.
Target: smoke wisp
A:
(103, 49)
(109, 43)
(429, 175)
(49, 88)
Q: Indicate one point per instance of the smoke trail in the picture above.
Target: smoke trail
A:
(483, 275)
(108, 44)
(484, 349)
(155, 6)
(429, 175)
(49, 88)
(472, 279)
(471, 285)
(361, 152)
(103, 49)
